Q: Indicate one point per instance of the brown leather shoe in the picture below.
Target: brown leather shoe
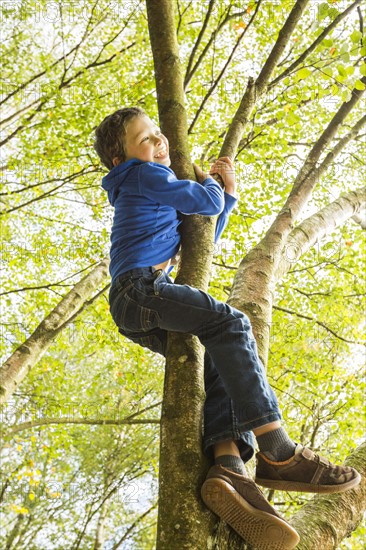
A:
(305, 472)
(238, 501)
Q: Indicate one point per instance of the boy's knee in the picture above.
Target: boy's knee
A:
(240, 315)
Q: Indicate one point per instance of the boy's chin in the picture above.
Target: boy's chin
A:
(165, 162)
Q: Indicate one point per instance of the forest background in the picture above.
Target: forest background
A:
(81, 404)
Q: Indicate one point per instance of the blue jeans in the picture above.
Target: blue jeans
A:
(146, 304)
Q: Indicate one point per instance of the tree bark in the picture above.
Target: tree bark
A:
(181, 460)
(18, 365)
(100, 533)
(314, 228)
(325, 521)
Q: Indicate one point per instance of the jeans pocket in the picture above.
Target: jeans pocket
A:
(134, 317)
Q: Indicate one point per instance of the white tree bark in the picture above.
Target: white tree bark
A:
(18, 365)
(314, 228)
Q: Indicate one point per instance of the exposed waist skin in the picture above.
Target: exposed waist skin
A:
(165, 265)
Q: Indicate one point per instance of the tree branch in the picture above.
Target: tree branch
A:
(214, 34)
(320, 323)
(317, 226)
(17, 366)
(188, 77)
(308, 175)
(85, 421)
(132, 527)
(332, 155)
(313, 46)
(256, 89)
(217, 80)
(325, 521)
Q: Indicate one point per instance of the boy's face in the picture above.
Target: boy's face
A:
(145, 142)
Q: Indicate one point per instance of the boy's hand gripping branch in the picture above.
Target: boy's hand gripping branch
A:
(225, 170)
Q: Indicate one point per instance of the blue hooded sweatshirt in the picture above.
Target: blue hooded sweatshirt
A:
(148, 200)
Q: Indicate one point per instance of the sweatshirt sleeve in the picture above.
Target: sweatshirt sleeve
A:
(223, 219)
(161, 185)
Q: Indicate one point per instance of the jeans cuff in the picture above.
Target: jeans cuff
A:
(260, 421)
(245, 442)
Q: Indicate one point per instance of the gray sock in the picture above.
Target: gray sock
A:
(231, 462)
(276, 445)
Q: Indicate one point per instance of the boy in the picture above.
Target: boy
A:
(145, 304)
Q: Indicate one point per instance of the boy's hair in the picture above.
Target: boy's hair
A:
(110, 135)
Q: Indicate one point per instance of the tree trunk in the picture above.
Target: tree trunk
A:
(181, 523)
(18, 365)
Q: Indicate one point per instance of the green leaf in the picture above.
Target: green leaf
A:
(356, 36)
(292, 118)
(327, 73)
(303, 73)
(333, 13)
(359, 85)
(342, 70)
(334, 89)
(363, 69)
(328, 42)
(323, 10)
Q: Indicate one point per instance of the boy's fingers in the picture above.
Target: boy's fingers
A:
(221, 165)
(224, 160)
(227, 160)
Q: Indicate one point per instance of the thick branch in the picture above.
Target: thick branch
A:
(332, 155)
(308, 175)
(130, 419)
(325, 521)
(314, 228)
(17, 366)
(258, 271)
(169, 83)
(180, 472)
(277, 235)
(253, 93)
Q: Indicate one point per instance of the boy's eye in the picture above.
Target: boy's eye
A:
(144, 139)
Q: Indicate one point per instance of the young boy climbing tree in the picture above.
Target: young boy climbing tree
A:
(145, 304)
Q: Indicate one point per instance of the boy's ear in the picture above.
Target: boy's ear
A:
(116, 161)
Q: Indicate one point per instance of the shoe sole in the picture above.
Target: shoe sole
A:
(302, 487)
(260, 529)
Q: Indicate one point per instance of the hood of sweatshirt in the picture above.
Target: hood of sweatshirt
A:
(112, 181)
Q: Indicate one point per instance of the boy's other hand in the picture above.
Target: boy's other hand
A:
(200, 174)
(224, 167)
